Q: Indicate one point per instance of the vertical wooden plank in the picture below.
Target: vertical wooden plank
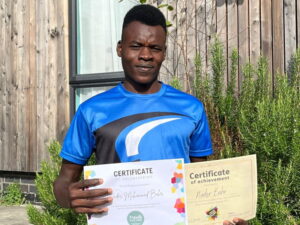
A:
(17, 103)
(18, 31)
(51, 85)
(25, 145)
(266, 29)
(222, 32)
(210, 28)
(22, 76)
(167, 72)
(278, 36)
(243, 17)
(172, 47)
(7, 84)
(181, 41)
(201, 47)
(12, 88)
(27, 40)
(190, 45)
(63, 103)
(3, 90)
(42, 78)
(6, 73)
(290, 30)
(232, 18)
(298, 24)
(163, 73)
(255, 38)
(32, 106)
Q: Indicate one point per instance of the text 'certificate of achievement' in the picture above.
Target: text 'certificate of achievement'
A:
(221, 190)
(144, 193)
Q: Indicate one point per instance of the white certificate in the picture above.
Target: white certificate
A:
(221, 190)
(144, 193)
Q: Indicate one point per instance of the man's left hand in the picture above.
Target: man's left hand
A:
(236, 221)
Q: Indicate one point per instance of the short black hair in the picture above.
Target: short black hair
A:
(146, 14)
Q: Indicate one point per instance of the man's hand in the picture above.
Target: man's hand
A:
(70, 192)
(236, 221)
(83, 200)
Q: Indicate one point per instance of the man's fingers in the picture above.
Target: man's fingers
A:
(85, 200)
(86, 183)
(78, 194)
(236, 221)
(240, 221)
(91, 210)
(226, 222)
(90, 203)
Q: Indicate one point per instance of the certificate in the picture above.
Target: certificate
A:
(144, 193)
(221, 190)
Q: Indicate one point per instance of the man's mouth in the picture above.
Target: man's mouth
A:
(144, 68)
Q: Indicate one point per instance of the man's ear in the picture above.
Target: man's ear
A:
(119, 48)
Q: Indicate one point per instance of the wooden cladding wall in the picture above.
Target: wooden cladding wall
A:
(34, 91)
(34, 95)
(254, 27)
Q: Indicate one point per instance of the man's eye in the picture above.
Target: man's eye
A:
(135, 46)
(156, 49)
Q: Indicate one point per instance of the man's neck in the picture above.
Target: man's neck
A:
(142, 88)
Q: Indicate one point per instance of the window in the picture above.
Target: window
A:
(95, 30)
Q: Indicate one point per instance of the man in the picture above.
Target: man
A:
(140, 119)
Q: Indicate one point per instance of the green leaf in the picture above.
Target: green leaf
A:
(162, 5)
(143, 1)
(170, 8)
(168, 23)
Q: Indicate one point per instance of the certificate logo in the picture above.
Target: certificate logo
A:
(135, 218)
(212, 213)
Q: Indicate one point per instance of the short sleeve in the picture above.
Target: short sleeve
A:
(79, 141)
(201, 144)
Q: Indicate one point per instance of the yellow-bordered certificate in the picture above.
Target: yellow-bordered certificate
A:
(221, 190)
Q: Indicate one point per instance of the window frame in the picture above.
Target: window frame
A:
(77, 80)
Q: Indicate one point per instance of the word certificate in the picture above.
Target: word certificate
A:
(144, 193)
(221, 190)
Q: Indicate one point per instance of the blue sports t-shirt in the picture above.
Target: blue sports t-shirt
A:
(121, 126)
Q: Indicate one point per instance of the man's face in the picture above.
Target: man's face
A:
(142, 50)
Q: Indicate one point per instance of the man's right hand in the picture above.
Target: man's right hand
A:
(70, 192)
(85, 200)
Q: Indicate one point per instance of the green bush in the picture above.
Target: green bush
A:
(51, 213)
(12, 195)
(176, 83)
(263, 118)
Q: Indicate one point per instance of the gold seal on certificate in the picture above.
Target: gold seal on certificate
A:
(144, 193)
(221, 190)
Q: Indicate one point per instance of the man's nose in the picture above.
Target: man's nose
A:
(145, 54)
